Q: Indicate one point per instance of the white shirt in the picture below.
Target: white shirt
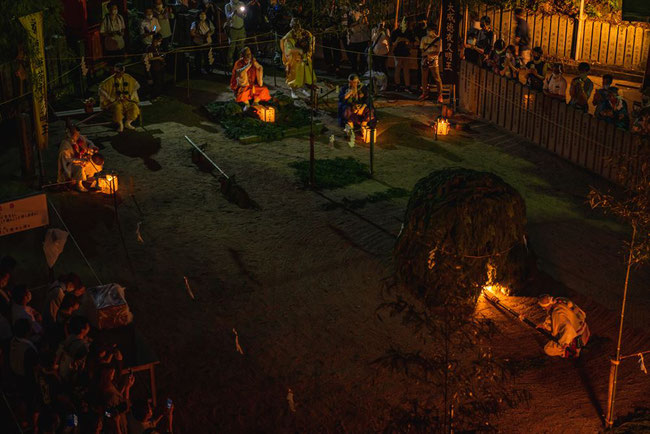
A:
(231, 9)
(149, 26)
(555, 85)
(431, 51)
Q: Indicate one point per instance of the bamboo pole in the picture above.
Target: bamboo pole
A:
(613, 375)
(397, 5)
(580, 33)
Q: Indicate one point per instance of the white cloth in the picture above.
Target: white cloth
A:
(53, 245)
(555, 85)
(565, 322)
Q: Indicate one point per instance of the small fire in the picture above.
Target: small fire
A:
(491, 285)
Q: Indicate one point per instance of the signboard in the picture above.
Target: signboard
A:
(450, 38)
(33, 23)
(23, 214)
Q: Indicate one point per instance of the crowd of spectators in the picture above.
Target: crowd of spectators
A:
(519, 62)
(56, 378)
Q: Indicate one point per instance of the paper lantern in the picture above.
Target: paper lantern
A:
(266, 114)
(107, 184)
(441, 127)
(366, 131)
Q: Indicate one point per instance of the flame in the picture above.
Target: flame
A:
(492, 286)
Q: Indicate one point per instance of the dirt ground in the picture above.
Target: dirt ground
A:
(300, 283)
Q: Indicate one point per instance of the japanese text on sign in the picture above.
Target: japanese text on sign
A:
(23, 214)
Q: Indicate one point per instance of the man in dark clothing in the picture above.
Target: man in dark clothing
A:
(537, 69)
(156, 61)
(402, 39)
(522, 36)
(332, 38)
(485, 40)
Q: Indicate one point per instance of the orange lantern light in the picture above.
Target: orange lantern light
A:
(266, 114)
(107, 183)
(366, 132)
(441, 127)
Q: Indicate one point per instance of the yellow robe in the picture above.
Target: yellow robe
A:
(298, 66)
(120, 95)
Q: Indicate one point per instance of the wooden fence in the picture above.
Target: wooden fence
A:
(572, 134)
(620, 45)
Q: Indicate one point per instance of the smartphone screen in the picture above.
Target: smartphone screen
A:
(169, 403)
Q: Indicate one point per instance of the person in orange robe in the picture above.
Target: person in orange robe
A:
(247, 81)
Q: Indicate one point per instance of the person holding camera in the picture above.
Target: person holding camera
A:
(235, 14)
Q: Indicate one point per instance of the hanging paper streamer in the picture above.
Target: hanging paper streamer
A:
(210, 57)
(332, 139)
(84, 68)
(145, 60)
(237, 346)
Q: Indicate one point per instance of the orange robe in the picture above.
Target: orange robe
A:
(248, 85)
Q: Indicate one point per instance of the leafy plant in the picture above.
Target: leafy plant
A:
(334, 173)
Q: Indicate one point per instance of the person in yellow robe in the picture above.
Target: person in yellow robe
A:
(119, 94)
(297, 50)
(78, 160)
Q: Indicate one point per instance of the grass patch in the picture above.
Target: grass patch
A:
(333, 173)
(391, 193)
(238, 124)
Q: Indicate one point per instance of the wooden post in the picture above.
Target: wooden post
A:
(579, 35)
(27, 150)
(397, 5)
(312, 158)
(187, 68)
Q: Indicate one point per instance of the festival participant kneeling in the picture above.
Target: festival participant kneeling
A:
(352, 112)
(79, 159)
(567, 324)
(247, 81)
(119, 94)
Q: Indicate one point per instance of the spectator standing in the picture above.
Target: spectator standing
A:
(23, 362)
(555, 84)
(485, 41)
(358, 36)
(141, 419)
(210, 10)
(536, 70)
(21, 297)
(112, 31)
(72, 352)
(602, 93)
(235, 15)
(470, 53)
(641, 123)
(511, 64)
(380, 47)
(581, 88)
(522, 36)
(430, 47)
(332, 38)
(149, 27)
(253, 22)
(67, 283)
(402, 40)
(164, 15)
(497, 58)
(116, 401)
(156, 60)
(201, 32)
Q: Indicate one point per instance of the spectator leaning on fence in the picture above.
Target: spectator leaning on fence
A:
(581, 88)
(555, 83)
(601, 94)
(470, 53)
(511, 64)
(537, 69)
(497, 57)
(164, 15)
(485, 41)
(522, 36)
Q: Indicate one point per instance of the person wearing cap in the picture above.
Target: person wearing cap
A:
(566, 322)
(352, 111)
(235, 13)
(78, 159)
(247, 80)
(119, 94)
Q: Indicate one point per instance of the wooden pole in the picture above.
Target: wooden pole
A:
(397, 5)
(611, 398)
(580, 33)
(312, 157)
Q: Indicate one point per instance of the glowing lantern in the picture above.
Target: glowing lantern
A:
(366, 132)
(441, 127)
(266, 114)
(107, 184)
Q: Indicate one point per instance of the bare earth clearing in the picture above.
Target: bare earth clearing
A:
(301, 283)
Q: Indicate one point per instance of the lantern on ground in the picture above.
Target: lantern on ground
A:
(366, 132)
(107, 184)
(266, 114)
(441, 127)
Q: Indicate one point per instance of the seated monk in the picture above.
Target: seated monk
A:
(78, 160)
(247, 81)
(119, 94)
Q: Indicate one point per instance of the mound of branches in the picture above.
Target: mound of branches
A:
(463, 229)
